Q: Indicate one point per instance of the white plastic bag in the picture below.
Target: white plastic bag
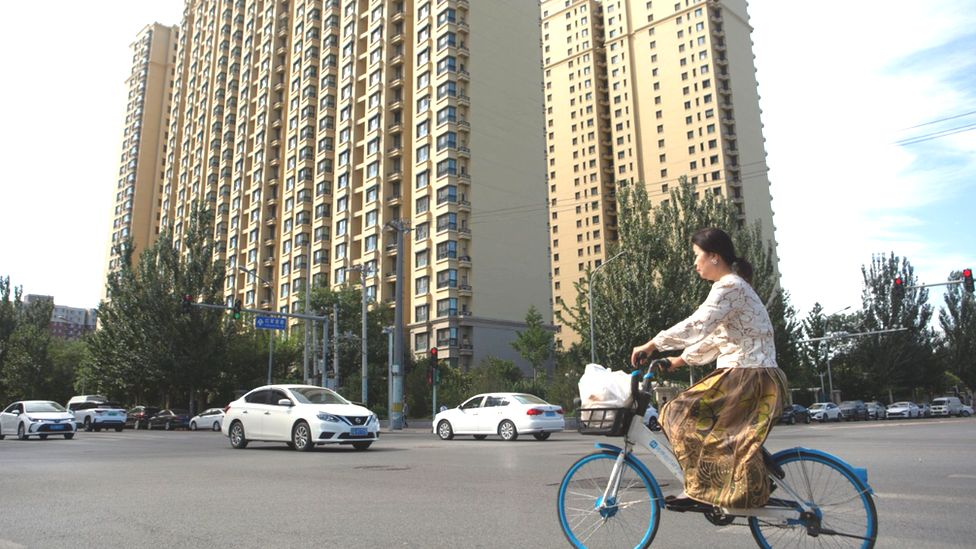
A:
(604, 388)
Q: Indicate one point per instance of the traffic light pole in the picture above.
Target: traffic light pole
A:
(402, 228)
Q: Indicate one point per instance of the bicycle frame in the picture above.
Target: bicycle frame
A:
(639, 436)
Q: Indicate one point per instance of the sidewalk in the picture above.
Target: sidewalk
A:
(414, 426)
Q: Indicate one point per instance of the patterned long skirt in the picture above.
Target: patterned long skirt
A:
(717, 428)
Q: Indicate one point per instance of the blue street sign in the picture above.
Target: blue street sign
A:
(270, 322)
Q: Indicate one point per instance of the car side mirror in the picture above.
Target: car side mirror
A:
(285, 402)
(16, 412)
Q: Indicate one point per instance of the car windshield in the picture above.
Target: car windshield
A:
(529, 399)
(818, 406)
(317, 395)
(110, 405)
(902, 404)
(939, 402)
(38, 407)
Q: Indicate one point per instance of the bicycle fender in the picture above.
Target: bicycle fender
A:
(859, 473)
(658, 494)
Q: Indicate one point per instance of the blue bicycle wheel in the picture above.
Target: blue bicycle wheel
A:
(630, 520)
(843, 509)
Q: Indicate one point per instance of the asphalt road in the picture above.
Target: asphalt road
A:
(190, 489)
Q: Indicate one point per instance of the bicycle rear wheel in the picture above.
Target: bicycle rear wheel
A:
(843, 509)
(630, 520)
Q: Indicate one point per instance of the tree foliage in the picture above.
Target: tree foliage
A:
(653, 284)
(957, 347)
(535, 344)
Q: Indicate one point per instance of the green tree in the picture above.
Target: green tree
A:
(653, 285)
(536, 343)
(957, 318)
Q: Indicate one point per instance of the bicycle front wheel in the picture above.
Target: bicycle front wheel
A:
(843, 511)
(628, 519)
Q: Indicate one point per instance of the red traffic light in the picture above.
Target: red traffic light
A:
(433, 353)
(899, 282)
(967, 280)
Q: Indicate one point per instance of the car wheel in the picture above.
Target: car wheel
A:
(792, 420)
(2, 436)
(964, 413)
(237, 438)
(216, 426)
(97, 429)
(806, 420)
(507, 431)
(361, 445)
(119, 429)
(541, 436)
(444, 430)
(88, 424)
(301, 437)
(480, 437)
(168, 426)
(69, 436)
(42, 437)
(193, 426)
(21, 433)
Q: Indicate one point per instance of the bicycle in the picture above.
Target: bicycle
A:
(610, 498)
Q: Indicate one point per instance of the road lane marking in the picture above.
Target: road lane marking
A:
(963, 476)
(924, 498)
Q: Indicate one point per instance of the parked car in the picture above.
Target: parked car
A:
(825, 411)
(300, 416)
(946, 406)
(853, 410)
(876, 410)
(651, 418)
(211, 418)
(138, 417)
(966, 410)
(924, 410)
(94, 413)
(506, 414)
(903, 409)
(170, 419)
(36, 418)
(794, 413)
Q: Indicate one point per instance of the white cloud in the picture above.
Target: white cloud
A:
(834, 103)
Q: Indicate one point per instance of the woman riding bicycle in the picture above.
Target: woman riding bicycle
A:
(717, 426)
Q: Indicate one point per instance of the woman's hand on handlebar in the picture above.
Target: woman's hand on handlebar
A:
(646, 349)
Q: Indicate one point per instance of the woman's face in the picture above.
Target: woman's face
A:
(703, 264)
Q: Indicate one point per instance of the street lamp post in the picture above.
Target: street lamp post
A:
(308, 293)
(589, 302)
(389, 331)
(253, 272)
(830, 379)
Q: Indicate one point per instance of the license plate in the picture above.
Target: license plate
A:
(358, 431)
(550, 414)
(57, 427)
(113, 413)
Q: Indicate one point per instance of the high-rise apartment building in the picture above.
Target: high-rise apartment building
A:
(307, 126)
(138, 197)
(646, 92)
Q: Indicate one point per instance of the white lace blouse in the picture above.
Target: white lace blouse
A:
(731, 326)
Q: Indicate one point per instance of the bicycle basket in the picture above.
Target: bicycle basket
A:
(610, 422)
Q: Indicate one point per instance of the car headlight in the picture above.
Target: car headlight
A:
(35, 419)
(372, 418)
(328, 417)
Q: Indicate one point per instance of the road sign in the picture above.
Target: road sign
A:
(270, 322)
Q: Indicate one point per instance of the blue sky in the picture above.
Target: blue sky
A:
(840, 82)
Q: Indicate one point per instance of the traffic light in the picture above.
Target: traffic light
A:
(967, 280)
(898, 291)
(187, 303)
(237, 309)
(432, 374)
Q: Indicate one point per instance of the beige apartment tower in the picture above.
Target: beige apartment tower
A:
(138, 197)
(307, 127)
(640, 91)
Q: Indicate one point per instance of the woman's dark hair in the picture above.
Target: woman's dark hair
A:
(719, 242)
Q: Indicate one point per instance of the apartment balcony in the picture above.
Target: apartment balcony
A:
(393, 200)
(463, 99)
(464, 206)
(464, 261)
(464, 151)
(464, 233)
(269, 242)
(395, 126)
(464, 177)
(464, 125)
(394, 176)
(464, 290)
(394, 152)
(269, 261)
(464, 75)
(466, 349)
(271, 221)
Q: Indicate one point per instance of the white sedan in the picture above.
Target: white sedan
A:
(903, 409)
(300, 416)
(36, 418)
(506, 414)
(208, 419)
(825, 411)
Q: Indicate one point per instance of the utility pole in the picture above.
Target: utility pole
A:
(361, 269)
(401, 228)
(335, 342)
(389, 375)
(325, 351)
(308, 295)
